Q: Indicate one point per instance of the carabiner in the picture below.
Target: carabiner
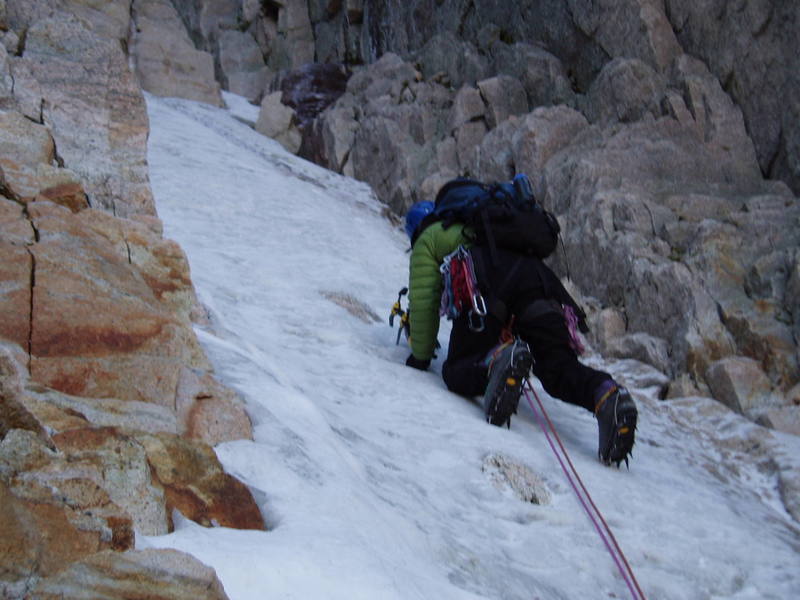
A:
(478, 305)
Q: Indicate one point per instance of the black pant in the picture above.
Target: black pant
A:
(556, 364)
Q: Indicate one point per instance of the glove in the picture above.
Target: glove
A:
(422, 365)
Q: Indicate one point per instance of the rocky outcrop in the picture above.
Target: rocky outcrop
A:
(104, 388)
(146, 574)
(644, 156)
(751, 49)
(167, 62)
(101, 96)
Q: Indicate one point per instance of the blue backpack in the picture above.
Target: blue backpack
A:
(501, 215)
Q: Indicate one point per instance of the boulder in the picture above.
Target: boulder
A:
(543, 75)
(625, 90)
(337, 130)
(495, 158)
(539, 136)
(196, 485)
(278, 121)
(468, 105)
(738, 382)
(458, 60)
(382, 156)
(143, 574)
(605, 325)
(167, 63)
(782, 418)
(642, 347)
(504, 96)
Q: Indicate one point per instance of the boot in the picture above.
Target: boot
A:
(616, 420)
(509, 366)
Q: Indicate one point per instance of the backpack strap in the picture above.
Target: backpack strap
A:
(495, 305)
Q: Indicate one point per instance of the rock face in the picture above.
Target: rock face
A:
(653, 165)
(104, 388)
(167, 62)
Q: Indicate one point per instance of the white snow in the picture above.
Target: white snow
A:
(369, 474)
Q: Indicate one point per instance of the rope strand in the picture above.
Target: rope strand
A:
(626, 572)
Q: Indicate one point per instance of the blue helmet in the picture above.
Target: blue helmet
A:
(417, 212)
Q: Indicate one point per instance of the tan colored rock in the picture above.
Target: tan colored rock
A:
(640, 346)
(606, 325)
(782, 418)
(738, 382)
(62, 412)
(196, 485)
(61, 186)
(161, 262)
(167, 63)
(208, 411)
(109, 19)
(48, 522)
(36, 538)
(116, 462)
(142, 574)
(278, 121)
(98, 328)
(96, 115)
(24, 146)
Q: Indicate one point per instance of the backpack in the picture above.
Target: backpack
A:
(502, 215)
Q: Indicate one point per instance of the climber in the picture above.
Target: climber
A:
(526, 306)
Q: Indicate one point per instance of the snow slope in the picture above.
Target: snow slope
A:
(372, 477)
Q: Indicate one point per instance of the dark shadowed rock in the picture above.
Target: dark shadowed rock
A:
(625, 90)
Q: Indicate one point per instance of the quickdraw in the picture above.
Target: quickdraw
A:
(460, 289)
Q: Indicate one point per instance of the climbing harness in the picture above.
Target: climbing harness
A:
(584, 497)
(397, 311)
(460, 289)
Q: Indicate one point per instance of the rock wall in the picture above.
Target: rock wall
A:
(108, 405)
(633, 140)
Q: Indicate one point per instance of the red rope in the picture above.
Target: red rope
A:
(629, 577)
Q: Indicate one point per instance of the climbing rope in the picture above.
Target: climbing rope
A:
(588, 504)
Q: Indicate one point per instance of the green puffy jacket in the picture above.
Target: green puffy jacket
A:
(425, 283)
